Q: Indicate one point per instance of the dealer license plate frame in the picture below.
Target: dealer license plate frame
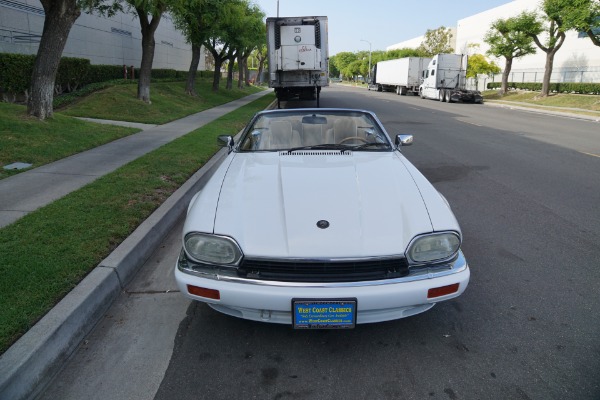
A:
(339, 320)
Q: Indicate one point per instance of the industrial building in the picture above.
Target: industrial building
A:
(111, 41)
(578, 60)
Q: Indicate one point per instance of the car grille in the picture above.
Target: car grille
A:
(324, 271)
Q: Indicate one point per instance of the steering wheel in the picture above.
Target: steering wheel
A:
(354, 138)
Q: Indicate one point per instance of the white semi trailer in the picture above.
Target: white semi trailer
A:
(298, 57)
(445, 80)
(402, 75)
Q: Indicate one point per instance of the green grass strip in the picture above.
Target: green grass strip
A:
(168, 102)
(557, 100)
(46, 253)
(24, 139)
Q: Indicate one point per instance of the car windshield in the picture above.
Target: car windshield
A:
(294, 130)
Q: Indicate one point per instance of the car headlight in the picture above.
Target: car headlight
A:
(433, 247)
(212, 249)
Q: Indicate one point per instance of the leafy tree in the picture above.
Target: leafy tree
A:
(436, 41)
(377, 55)
(194, 21)
(261, 56)
(478, 64)
(342, 60)
(149, 13)
(506, 41)
(582, 15)
(250, 37)
(353, 69)
(334, 72)
(224, 30)
(551, 24)
(402, 53)
(219, 51)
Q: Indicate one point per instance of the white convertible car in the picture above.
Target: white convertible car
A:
(316, 219)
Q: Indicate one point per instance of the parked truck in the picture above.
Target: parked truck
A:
(445, 80)
(298, 57)
(402, 75)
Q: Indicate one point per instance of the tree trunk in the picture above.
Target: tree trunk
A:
(241, 76)
(148, 45)
(550, 64)
(230, 66)
(246, 71)
(557, 42)
(60, 17)
(190, 87)
(261, 67)
(594, 38)
(505, 75)
(547, 73)
(217, 74)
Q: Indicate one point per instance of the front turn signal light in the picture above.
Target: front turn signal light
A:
(204, 292)
(442, 291)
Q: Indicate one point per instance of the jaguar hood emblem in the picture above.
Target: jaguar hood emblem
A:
(323, 224)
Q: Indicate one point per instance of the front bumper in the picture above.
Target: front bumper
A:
(377, 301)
(466, 97)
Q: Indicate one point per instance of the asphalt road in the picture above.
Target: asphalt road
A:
(525, 188)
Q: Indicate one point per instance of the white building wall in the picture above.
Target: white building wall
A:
(113, 41)
(416, 42)
(578, 60)
(410, 44)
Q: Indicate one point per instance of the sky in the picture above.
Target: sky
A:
(353, 24)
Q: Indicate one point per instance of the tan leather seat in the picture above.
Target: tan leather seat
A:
(312, 134)
(279, 136)
(342, 129)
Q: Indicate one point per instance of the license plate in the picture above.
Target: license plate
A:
(324, 314)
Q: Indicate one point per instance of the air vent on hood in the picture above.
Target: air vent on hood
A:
(316, 153)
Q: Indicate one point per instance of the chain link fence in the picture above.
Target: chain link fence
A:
(559, 75)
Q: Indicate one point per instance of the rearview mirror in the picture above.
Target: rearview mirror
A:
(314, 120)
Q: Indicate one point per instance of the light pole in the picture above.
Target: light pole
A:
(369, 73)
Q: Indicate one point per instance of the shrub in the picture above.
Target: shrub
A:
(72, 73)
(102, 73)
(582, 88)
(164, 73)
(15, 72)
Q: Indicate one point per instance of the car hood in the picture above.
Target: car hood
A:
(270, 203)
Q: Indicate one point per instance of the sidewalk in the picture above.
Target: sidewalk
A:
(25, 192)
(549, 110)
(31, 363)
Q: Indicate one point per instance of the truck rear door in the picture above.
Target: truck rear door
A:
(298, 48)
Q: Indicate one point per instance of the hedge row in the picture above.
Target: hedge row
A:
(583, 88)
(16, 70)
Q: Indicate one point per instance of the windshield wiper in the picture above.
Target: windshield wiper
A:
(326, 146)
(366, 145)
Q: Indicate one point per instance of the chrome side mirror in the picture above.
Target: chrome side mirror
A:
(225, 141)
(404, 140)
